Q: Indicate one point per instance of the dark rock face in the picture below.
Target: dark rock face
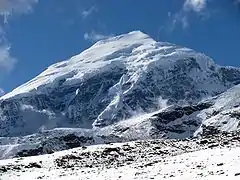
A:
(32, 152)
(59, 143)
(209, 131)
(168, 116)
(162, 121)
(73, 141)
(231, 75)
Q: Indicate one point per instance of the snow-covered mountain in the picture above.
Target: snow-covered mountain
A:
(126, 87)
(113, 80)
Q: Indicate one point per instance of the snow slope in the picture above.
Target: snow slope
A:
(225, 113)
(150, 162)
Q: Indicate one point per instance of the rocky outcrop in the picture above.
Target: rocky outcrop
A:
(52, 145)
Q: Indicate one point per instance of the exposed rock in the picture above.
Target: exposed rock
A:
(33, 165)
(51, 145)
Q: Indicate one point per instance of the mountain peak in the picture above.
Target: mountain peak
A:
(101, 53)
(128, 38)
(133, 52)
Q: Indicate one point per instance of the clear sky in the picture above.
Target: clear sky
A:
(37, 33)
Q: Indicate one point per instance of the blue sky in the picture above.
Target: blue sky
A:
(37, 33)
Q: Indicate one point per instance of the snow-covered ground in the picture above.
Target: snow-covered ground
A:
(156, 159)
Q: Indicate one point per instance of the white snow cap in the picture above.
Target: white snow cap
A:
(134, 50)
(89, 60)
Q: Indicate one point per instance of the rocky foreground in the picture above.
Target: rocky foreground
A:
(215, 154)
